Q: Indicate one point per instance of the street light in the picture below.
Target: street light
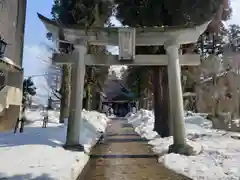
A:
(3, 45)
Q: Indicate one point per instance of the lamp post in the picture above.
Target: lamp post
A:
(3, 45)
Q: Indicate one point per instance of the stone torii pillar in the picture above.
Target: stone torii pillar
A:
(176, 98)
(77, 90)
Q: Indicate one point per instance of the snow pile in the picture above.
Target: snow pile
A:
(35, 117)
(236, 122)
(143, 124)
(219, 157)
(94, 124)
(38, 154)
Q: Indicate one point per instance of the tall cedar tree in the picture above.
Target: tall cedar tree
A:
(87, 13)
(151, 13)
(80, 12)
(29, 89)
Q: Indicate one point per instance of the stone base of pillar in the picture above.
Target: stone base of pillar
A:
(74, 147)
(185, 149)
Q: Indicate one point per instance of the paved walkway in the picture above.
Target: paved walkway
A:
(123, 155)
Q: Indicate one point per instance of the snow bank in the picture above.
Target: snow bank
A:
(38, 154)
(219, 157)
(143, 123)
(94, 124)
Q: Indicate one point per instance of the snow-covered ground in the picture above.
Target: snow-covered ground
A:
(38, 154)
(220, 150)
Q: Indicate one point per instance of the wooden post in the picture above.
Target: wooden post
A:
(75, 119)
(161, 108)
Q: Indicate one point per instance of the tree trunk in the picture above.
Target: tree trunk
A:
(84, 103)
(87, 99)
(95, 100)
(65, 92)
(161, 101)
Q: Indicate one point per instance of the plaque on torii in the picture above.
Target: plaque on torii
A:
(127, 39)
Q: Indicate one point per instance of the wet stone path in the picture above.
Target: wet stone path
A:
(123, 155)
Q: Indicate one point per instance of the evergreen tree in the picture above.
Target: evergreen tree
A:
(151, 13)
(210, 46)
(233, 33)
(29, 89)
(86, 13)
(139, 80)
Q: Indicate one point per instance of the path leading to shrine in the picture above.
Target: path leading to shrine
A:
(123, 155)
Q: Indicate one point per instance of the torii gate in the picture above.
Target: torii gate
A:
(127, 39)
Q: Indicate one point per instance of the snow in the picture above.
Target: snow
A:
(38, 154)
(218, 151)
